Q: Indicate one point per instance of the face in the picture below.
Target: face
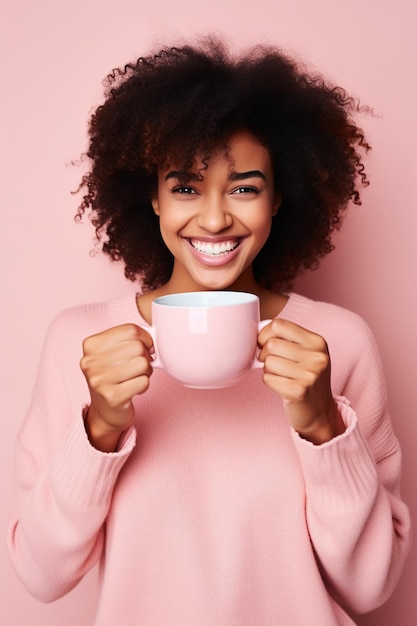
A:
(215, 227)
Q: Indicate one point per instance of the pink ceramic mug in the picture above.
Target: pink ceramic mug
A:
(206, 339)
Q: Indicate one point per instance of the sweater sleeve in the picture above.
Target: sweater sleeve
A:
(358, 524)
(64, 485)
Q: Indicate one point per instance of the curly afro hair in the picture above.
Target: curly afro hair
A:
(188, 101)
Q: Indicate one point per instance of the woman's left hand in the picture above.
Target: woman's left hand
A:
(297, 366)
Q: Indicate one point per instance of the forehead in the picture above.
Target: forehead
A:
(245, 147)
(242, 152)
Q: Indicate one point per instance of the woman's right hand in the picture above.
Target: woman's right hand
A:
(117, 365)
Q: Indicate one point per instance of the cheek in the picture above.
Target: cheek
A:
(170, 225)
(262, 223)
(263, 234)
(168, 222)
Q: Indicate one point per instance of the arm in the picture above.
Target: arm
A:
(58, 532)
(64, 484)
(358, 524)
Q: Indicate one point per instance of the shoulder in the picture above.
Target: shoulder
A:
(324, 314)
(344, 330)
(74, 324)
(88, 318)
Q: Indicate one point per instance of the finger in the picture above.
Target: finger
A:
(102, 378)
(138, 366)
(135, 386)
(124, 352)
(283, 348)
(119, 396)
(290, 331)
(309, 360)
(284, 368)
(145, 337)
(116, 335)
(115, 355)
(289, 389)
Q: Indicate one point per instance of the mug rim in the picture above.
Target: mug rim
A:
(206, 299)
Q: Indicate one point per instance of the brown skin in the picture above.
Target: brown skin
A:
(117, 366)
(297, 366)
(117, 363)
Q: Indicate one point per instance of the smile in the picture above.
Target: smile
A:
(214, 249)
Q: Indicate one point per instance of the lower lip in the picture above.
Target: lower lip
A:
(218, 260)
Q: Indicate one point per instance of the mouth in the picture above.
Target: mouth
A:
(215, 249)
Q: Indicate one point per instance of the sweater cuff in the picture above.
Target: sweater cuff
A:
(84, 475)
(340, 474)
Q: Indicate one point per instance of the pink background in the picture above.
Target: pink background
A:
(55, 55)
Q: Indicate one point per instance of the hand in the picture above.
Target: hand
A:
(117, 365)
(297, 366)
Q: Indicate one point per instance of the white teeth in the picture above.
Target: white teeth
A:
(214, 249)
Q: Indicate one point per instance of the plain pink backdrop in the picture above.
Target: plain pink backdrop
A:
(54, 57)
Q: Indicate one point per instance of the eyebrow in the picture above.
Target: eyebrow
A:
(182, 175)
(233, 176)
(243, 175)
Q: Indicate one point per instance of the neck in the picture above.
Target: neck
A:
(270, 303)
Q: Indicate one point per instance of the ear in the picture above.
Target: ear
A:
(155, 206)
(276, 204)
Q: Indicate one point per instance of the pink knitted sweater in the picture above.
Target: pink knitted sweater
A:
(213, 512)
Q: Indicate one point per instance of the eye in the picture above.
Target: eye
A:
(247, 189)
(184, 190)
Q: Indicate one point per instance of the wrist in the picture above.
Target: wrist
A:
(326, 429)
(100, 434)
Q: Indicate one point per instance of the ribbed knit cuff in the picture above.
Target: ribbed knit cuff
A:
(339, 474)
(83, 475)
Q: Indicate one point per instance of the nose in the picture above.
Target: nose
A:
(213, 215)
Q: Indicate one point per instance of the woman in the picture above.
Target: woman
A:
(265, 503)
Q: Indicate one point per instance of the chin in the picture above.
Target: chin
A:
(216, 285)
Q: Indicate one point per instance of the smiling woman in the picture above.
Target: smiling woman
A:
(261, 503)
(217, 222)
(192, 100)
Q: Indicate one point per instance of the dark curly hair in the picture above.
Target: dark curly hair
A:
(190, 100)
